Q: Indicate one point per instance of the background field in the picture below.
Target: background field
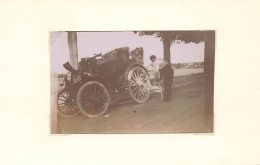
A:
(182, 72)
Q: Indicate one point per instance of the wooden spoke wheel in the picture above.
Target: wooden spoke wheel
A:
(66, 103)
(138, 84)
(93, 99)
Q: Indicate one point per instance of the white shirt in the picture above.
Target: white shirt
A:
(159, 64)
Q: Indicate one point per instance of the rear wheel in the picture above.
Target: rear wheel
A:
(138, 84)
(93, 99)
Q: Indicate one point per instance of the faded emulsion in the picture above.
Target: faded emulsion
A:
(105, 82)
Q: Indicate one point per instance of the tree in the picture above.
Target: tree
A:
(178, 66)
(209, 63)
(73, 48)
(169, 37)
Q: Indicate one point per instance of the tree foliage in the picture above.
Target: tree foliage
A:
(178, 66)
(170, 37)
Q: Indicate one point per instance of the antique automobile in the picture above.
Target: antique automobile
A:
(100, 80)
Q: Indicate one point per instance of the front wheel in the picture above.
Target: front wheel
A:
(66, 103)
(93, 99)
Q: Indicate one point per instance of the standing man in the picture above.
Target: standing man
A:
(166, 72)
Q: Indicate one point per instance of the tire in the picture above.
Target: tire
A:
(66, 103)
(93, 99)
(138, 84)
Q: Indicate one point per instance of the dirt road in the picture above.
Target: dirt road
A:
(184, 114)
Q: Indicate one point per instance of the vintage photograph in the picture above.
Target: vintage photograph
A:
(144, 82)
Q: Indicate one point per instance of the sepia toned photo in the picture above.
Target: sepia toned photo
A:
(144, 82)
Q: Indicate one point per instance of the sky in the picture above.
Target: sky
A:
(90, 43)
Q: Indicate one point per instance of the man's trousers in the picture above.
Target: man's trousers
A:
(167, 74)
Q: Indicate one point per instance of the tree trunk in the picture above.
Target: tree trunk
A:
(72, 41)
(209, 60)
(167, 51)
